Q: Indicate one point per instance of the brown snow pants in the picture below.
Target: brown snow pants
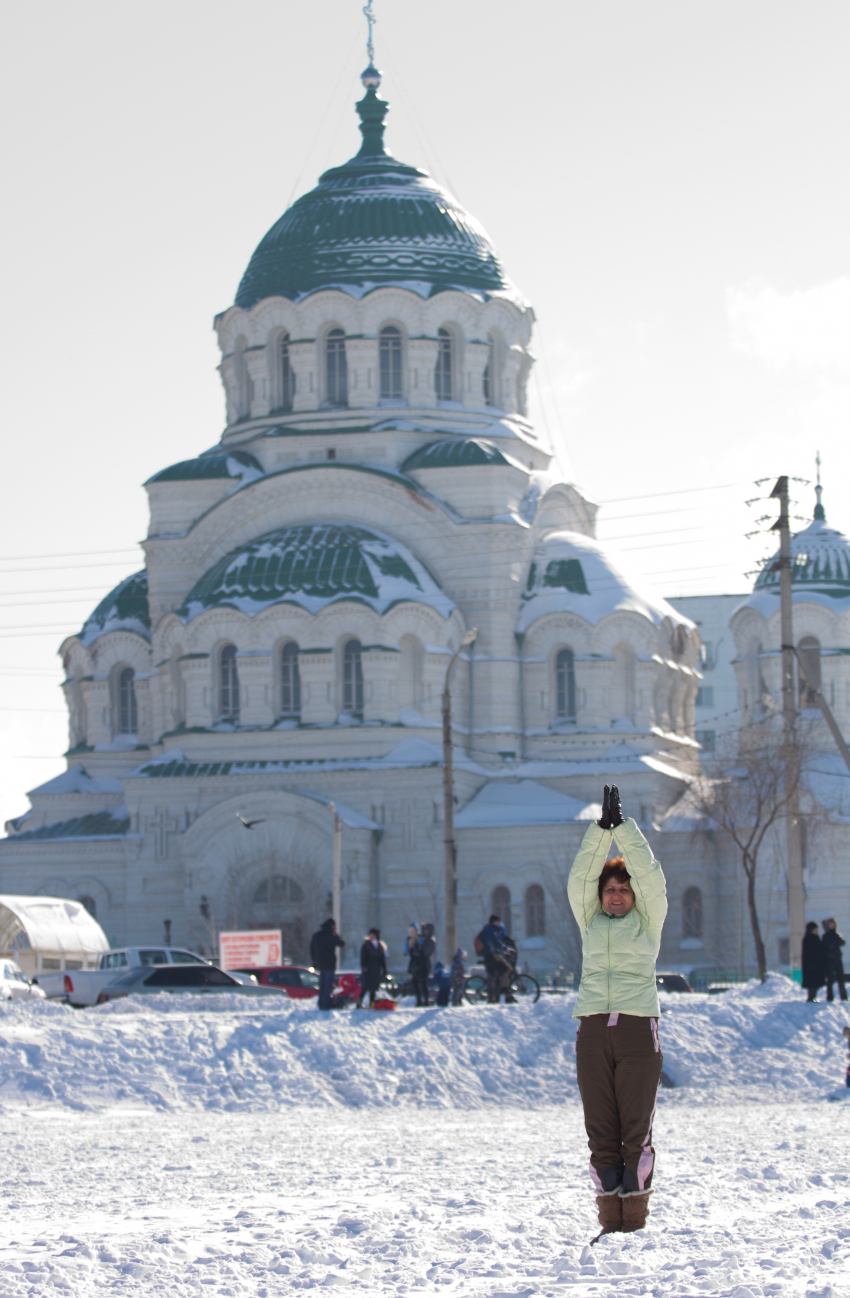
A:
(618, 1060)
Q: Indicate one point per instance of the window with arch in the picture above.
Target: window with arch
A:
(290, 681)
(500, 904)
(352, 678)
(389, 355)
(485, 380)
(244, 394)
(623, 685)
(692, 913)
(443, 370)
(228, 677)
(409, 672)
(128, 712)
(490, 381)
(89, 904)
(809, 651)
(337, 368)
(565, 685)
(278, 890)
(535, 911)
(286, 376)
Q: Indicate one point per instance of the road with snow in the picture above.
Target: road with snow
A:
(261, 1150)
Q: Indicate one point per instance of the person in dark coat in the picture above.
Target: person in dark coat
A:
(814, 968)
(323, 945)
(832, 942)
(420, 954)
(373, 966)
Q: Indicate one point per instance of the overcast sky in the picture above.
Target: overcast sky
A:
(665, 182)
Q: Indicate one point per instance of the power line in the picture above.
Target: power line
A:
(73, 567)
(656, 495)
(74, 554)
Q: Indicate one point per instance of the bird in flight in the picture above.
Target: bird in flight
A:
(249, 824)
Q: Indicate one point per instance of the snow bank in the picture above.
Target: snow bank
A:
(204, 1052)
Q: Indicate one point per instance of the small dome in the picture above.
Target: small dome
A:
(454, 452)
(373, 222)
(213, 464)
(124, 609)
(572, 574)
(820, 570)
(313, 565)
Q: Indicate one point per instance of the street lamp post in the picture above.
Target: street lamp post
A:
(449, 844)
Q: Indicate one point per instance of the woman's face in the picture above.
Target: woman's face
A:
(617, 897)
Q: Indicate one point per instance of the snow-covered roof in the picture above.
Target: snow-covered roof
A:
(173, 763)
(76, 780)
(523, 803)
(99, 825)
(49, 924)
(124, 609)
(313, 565)
(212, 464)
(572, 574)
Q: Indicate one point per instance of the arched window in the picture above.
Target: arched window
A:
(128, 713)
(692, 913)
(486, 381)
(290, 681)
(89, 904)
(244, 386)
(279, 890)
(390, 358)
(809, 651)
(565, 685)
(623, 686)
(229, 684)
(535, 911)
(500, 904)
(443, 371)
(409, 672)
(287, 377)
(352, 678)
(337, 368)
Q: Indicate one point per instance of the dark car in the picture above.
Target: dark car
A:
(672, 982)
(193, 978)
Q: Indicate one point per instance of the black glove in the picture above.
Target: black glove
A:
(616, 811)
(605, 821)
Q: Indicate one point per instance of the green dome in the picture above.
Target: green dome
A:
(373, 222)
(124, 609)
(312, 565)
(212, 464)
(820, 569)
(454, 452)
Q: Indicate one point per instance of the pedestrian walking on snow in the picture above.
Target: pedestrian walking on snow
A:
(373, 966)
(419, 968)
(620, 906)
(323, 946)
(457, 976)
(832, 942)
(813, 965)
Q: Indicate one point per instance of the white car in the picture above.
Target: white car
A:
(15, 986)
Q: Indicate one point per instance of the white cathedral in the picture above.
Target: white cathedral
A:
(378, 490)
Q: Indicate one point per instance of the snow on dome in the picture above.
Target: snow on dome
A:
(820, 570)
(313, 565)
(374, 222)
(572, 574)
(212, 464)
(124, 609)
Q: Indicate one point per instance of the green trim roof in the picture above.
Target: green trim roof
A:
(216, 464)
(373, 221)
(124, 609)
(99, 824)
(454, 452)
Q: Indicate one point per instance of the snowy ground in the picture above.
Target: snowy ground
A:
(149, 1150)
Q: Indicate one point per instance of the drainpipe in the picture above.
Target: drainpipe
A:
(470, 707)
(520, 637)
(377, 835)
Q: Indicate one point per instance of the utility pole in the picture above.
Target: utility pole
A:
(796, 899)
(449, 844)
(336, 886)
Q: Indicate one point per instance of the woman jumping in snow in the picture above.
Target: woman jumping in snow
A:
(620, 906)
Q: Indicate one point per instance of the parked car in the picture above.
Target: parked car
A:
(80, 987)
(194, 979)
(298, 981)
(15, 986)
(672, 982)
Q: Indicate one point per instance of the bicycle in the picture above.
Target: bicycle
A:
(521, 986)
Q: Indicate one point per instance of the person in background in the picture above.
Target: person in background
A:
(457, 976)
(373, 966)
(419, 969)
(441, 983)
(323, 946)
(832, 942)
(620, 906)
(814, 975)
(491, 943)
(413, 936)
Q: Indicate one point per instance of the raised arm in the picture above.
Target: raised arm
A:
(647, 878)
(583, 883)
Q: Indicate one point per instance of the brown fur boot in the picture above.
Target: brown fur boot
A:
(635, 1210)
(610, 1213)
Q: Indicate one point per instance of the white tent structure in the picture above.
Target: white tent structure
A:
(43, 933)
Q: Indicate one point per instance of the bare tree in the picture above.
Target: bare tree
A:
(562, 931)
(745, 790)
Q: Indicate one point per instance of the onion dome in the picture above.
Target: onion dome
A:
(572, 574)
(124, 609)
(454, 452)
(313, 565)
(820, 568)
(374, 221)
(212, 464)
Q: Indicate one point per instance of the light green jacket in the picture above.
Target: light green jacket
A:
(618, 951)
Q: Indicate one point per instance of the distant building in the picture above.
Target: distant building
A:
(716, 703)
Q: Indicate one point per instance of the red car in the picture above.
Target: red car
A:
(297, 980)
